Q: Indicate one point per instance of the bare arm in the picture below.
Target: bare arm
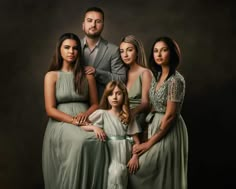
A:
(50, 99)
(144, 105)
(133, 163)
(100, 134)
(136, 139)
(93, 99)
(93, 96)
(166, 122)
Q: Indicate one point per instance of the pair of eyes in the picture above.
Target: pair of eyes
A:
(98, 21)
(117, 93)
(160, 50)
(128, 50)
(74, 48)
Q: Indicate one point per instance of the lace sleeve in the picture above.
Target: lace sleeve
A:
(176, 90)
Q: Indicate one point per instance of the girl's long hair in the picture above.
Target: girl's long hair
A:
(77, 65)
(175, 56)
(104, 103)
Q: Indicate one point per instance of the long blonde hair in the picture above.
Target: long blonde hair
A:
(141, 55)
(104, 103)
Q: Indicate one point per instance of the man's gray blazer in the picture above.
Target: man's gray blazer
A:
(108, 65)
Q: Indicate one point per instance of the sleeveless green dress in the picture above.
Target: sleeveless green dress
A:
(72, 157)
(135, 96)
(164, 165)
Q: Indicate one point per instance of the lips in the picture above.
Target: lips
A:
(92, 29)
(126, 60)
(71, 57)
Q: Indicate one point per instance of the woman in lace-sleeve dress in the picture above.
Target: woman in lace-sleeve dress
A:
(164, 157)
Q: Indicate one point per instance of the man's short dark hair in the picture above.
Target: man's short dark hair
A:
(95, 9)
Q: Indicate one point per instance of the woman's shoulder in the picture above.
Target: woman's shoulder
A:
(142, 71)
(51, 75)
(177, 77)
(146, 72)
(146, 76)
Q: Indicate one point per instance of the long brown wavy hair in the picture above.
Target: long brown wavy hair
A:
(104, 103)
(77, 65)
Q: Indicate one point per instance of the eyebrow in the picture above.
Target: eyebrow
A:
(71, 46)
(93, 19)
(131, 47)
(161, 48)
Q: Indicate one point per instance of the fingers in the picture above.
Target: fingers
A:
(139, 149)
(101, 136)
(104, 136)
(132, 168)
(136, 150)
(89, 70)
(82, 118)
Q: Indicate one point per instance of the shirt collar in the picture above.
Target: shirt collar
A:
(85, 44)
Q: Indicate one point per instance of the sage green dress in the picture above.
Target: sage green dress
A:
(164, 165)
(135, 97)
(72, 157)
(119, 143)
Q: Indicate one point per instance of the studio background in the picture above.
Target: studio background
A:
(205, 31)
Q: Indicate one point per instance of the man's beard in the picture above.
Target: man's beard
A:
(94, 35)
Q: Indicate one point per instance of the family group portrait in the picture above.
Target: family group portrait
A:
(117, 95)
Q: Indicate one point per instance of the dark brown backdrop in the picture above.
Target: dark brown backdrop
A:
(205, 31)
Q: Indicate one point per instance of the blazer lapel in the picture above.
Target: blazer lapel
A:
(101, 52)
